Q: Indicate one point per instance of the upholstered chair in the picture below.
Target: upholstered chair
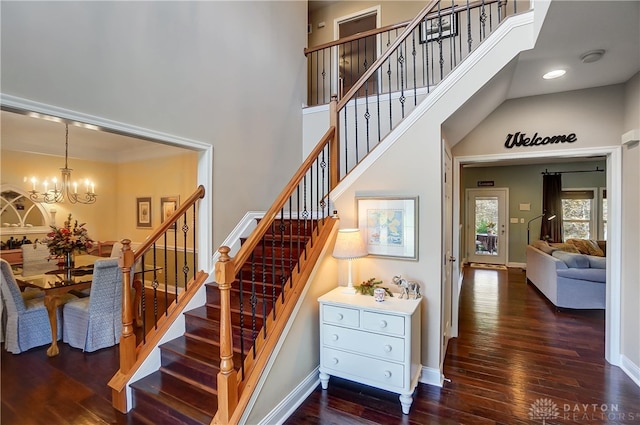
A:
(25, 318)
(35, 259)
(95, 322)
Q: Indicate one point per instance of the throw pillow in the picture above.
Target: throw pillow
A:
(543, 246)
(586, 246)
(566, 247)
(572, 260)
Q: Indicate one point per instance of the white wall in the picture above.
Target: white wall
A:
(190, 69)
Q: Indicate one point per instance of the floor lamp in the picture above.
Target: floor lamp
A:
(551, 217)
(349, 246)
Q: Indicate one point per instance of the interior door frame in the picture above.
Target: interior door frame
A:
(503, 228)
(336, 36)
(613, 154)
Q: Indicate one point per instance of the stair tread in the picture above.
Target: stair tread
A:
(178, 395)
(197, 349)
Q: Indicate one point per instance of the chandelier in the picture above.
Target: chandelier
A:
(64, 188)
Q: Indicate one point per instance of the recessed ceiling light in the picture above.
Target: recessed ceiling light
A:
(556, 73)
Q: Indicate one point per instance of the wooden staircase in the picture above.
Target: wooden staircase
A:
(184, 389)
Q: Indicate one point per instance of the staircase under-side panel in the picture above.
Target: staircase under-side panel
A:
(184, 389)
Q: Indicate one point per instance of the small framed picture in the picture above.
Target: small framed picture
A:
(438, 28)
(168, 205)
(143, 212)
(389, 226)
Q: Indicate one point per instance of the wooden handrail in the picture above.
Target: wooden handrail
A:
(376, 31)
(131, 356)
(255, 237)
(374, 67)
(354, 37)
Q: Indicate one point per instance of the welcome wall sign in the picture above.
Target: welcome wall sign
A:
(520, 139)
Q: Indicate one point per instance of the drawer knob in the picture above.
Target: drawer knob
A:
(340, 316)
(334, 337)
(387, 348)
(383, 323)
(334, 360)
(387, 374)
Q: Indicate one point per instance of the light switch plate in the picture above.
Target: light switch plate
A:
(514, 220)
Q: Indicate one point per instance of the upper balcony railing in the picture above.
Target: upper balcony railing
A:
(412, 58)
(443, 38)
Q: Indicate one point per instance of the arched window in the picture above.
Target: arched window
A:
(19, 214)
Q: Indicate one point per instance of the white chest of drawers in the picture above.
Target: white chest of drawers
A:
(374, 343)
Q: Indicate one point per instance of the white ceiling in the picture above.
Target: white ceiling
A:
(24, 133)
(571, 29)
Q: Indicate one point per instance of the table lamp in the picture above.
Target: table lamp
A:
(349, 246)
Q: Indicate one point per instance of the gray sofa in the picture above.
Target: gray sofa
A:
(567, 279)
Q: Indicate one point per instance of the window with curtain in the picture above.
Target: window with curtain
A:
(578, 214)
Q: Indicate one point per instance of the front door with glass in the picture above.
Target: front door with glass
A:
(487, 230)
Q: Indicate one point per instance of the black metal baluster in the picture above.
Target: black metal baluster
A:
(415, 81)
(469, 39)
(241, 299)
(253, 301)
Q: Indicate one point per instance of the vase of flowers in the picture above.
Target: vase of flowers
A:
(65, 241)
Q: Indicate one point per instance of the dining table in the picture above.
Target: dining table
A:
(56, 284)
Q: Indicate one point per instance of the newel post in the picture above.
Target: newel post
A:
(228, 376)
(334, 151)
(128, 338)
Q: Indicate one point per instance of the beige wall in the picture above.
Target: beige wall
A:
(187, 69)
(630, 296)
(113, 216)
(391, 12)
(101, 218)
(155, 178)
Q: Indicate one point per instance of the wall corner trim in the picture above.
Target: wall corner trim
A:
(630, 137)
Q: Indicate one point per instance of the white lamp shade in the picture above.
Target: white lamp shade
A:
(349, 245)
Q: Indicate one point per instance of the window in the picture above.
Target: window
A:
(578, 214)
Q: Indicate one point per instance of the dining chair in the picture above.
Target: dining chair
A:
(36, 259)
(95, 322)
(25, 321)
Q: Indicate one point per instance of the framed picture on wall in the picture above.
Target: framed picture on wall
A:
(439, 28)
(389, 226)
(168, 205)
(143, 211)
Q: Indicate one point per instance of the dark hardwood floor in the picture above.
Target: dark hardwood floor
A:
(515, 355)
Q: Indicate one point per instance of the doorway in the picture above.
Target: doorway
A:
(355, 57)
(486, 229)
(614, 232)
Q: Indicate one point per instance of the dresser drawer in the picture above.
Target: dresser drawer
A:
(384, 347)
(378, 322)
(341, 315)
(378, 372)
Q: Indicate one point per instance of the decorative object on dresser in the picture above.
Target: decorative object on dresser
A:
(408, 287)
(349, 246)
(369, 342)
(368, 287)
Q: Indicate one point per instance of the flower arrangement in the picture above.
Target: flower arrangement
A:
(367, 287)
(68, 239)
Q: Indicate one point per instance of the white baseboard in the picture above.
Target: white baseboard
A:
(431, 376)
(523, 266)
(630, 368)
(293, 400)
